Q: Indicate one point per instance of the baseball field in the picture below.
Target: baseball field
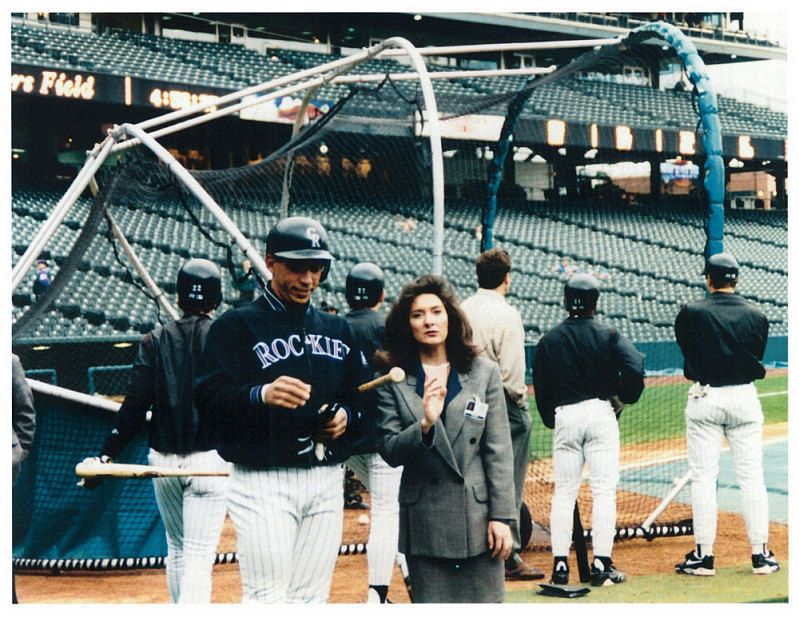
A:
(648, 564)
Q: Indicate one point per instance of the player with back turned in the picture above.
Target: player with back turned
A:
(279, 377)
(192, 508)
(583, 373)
(723, 339)
(365, 294)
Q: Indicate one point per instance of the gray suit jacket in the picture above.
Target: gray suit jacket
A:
(451, 488)
(23, 416)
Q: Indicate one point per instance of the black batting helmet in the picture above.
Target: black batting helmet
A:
(364, 285)
(199, 286)
(299, 238)
(581, 293)
(722, 267)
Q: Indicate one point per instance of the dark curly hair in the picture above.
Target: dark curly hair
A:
(403, 350)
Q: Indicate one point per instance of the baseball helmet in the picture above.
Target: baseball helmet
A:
(364, 285)
(722, 267)
(581, 293)
(299, 238)
(199, 286)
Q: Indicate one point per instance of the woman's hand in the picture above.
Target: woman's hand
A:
(500, 541)
(433, 402)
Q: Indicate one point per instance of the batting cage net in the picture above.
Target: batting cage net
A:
(362, 166)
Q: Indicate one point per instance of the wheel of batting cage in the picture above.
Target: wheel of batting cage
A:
(525, 525)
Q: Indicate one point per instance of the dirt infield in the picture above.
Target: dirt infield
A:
(636, 557)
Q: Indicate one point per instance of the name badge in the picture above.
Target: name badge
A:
(476, 409)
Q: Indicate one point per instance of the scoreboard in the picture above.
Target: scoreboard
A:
(134, 91)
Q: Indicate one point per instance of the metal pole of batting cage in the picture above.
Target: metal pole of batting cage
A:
(205, 198)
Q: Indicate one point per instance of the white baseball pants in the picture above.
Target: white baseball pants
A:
(733, 412)
(383, 483)
(193, 510)
(585, 432)
(288, 531)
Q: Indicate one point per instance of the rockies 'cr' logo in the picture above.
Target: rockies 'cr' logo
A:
(313, 235)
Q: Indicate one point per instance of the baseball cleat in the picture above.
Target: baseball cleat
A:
(763, 564)
(608, 575)
(560, 572)
(694, 565)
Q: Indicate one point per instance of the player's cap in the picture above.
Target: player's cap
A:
(43, 262)
(199, 286)
(722, 266)
(581, 293)
(299, 238)
(364, 285)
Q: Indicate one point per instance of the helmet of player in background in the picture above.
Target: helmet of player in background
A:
(199, 286)
(300, 238)
(581, 294)
(722, 268)
(364, 285)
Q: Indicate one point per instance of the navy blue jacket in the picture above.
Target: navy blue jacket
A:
(253, 345)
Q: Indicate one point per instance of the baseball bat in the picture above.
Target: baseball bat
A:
(137, 471)
(580, 550)
(396, 374)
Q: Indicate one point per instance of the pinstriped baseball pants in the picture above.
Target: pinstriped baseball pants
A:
(288, 531)
(585, 432)
(383, 483)
(733, 412)
(193, 510)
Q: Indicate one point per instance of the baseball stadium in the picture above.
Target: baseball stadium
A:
(577, 142)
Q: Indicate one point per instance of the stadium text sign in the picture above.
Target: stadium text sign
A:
(55, 83)
(179, 99)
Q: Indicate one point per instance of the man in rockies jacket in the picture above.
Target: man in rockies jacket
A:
(280, 380)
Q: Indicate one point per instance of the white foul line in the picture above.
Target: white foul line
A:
(772, 394)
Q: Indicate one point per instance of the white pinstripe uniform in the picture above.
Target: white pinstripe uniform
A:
(288, 526)
(585, 432)
(193, 511)
(383, 483)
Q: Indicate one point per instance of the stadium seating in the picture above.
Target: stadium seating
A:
(649, 260)
(231, 67)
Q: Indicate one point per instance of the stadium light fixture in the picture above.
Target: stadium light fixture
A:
(736, 164)
(590, 154)
(323, 148)
(448, 154)
(40, 348)
(123, 344)
(417, 17)
(562, 152)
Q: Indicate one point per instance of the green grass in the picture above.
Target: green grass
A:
(729, 585)
(659, 414)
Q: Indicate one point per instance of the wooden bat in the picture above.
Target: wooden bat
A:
(578, 537)
(396, 374)
(137, 471)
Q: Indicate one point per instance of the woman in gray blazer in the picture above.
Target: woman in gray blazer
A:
(446, 424)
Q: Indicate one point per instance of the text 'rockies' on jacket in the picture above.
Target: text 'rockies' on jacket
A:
(723, 338)
(581, 359)
(253, 345)
(163, 377)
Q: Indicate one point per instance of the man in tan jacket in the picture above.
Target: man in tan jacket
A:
(499, 333)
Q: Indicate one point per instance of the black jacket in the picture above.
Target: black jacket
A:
(580, 359)
(723, 338)
(253, 345)
(163, 377)
(368, 328)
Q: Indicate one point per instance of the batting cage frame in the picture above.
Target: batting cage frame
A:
(147, 134)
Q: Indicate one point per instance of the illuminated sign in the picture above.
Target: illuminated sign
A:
(745, 148)
(594, 136)
(479, 127)
(687, 143)
(624, 138)
(179, 99)
(659, 140)
(556, 132)
(55, 83)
